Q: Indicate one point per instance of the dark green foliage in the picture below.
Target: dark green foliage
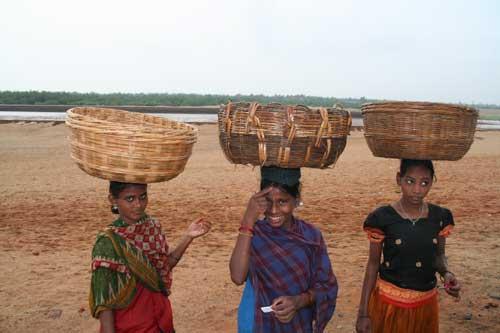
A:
(155, 99)
(165, 99)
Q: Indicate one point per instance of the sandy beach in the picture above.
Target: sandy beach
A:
(51, 212)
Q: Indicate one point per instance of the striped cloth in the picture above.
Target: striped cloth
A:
(287, 263)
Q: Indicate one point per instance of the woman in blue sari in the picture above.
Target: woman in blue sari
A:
(283, 261)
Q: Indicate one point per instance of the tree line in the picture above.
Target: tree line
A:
(166, 99)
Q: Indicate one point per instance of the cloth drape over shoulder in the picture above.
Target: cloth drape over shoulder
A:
(288, 263)
(123, 257)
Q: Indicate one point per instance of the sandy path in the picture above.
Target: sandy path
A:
(52, 211)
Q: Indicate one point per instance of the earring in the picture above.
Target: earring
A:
(114, 209)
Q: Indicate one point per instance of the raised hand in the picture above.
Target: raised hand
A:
(198, 228)
(257, 206)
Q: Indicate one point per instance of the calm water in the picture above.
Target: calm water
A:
(61, 116)
(183, 117)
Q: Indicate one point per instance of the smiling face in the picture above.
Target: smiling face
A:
(280, 206)
(415, 184)
(131, 202)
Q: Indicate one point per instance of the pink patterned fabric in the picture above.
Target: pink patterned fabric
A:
(146, 236)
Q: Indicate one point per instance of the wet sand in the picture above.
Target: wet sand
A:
(51, 212)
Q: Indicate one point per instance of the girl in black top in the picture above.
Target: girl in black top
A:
(399, 293)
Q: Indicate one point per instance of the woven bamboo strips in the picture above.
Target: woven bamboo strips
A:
(128, 147)
(281, 135)
(419, 130)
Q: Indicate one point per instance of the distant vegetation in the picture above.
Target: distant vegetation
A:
(74, 98)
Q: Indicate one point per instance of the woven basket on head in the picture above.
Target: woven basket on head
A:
(128, 147)
(281, 135)
(419, 130)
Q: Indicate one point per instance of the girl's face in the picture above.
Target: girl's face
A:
(415, 184)
(280, 206)
(131, 202)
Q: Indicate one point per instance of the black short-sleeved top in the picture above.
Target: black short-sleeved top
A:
(409, 250)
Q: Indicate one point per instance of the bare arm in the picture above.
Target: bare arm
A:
(240, 258)
(372, 267)
(452, 286)
(196, 229)
(441, 264)
(106, 318)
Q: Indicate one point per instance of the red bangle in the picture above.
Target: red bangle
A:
(245, 228)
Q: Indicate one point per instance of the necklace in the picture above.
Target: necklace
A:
(413, 221)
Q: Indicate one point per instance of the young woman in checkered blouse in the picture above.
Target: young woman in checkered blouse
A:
(132, 264)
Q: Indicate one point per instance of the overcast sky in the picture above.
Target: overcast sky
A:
(446, 50)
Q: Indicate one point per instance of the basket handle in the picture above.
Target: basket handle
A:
(327, 152)
(338, 106)
(227, 112)
(324, 124)
(251, 118)
(228, 128)
(303, 106)
(291, 123)
(255, 121)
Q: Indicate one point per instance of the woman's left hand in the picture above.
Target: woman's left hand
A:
(285, 308)
(198, 228)
(451, 284)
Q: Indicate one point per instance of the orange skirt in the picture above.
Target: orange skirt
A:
(394, 310)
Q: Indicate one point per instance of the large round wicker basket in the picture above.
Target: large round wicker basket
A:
(419, 130)
(281, 135)
(128, 147)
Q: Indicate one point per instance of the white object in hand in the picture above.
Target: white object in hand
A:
(266, 309)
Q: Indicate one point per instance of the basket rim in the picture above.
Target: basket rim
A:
(414, 106)
(73, 112)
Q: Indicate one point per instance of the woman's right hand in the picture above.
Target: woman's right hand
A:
(257, 206)
(363, 325)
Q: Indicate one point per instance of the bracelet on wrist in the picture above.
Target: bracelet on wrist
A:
(244, 228)
(245, 234)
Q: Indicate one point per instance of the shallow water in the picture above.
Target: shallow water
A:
(182, 117)
(61, 116)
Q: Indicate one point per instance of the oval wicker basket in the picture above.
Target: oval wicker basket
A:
(419, 130)
(128, 147)
(281, 135)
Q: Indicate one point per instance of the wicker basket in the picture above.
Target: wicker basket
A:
(419, 130)
(128, 147)
(281, 135)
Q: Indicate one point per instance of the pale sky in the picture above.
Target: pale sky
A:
(439, 50)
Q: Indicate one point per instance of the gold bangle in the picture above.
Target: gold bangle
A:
(245, 234)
